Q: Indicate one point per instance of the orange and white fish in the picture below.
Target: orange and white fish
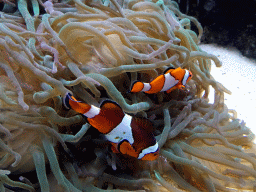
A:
(128, 135)
(170, 80)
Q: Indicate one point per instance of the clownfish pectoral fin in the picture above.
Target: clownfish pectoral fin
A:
(180, 86)
(168, 70)
(125, 148)
(137, 86)
(170, 90)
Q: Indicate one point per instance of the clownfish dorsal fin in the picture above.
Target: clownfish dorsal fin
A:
(168, 70)
(144, 123)
(111, 105)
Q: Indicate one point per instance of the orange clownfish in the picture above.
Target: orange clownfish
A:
(128, 135)
(170, 80)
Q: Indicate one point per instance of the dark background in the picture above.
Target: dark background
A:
(229, 23)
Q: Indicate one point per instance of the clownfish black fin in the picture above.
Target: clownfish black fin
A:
(168, 70)
(144, 123)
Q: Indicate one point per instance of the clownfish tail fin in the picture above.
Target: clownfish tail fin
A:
(65, 100)
(137, 86)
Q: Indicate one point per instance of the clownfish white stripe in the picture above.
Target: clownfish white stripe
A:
(146, 87)
(148, 150)
(92, 112)
(121, 131)
(169, 82)
(185, 78)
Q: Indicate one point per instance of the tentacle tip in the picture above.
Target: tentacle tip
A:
(53, 71)
(14, 164)
(5, 172)
(25, 107)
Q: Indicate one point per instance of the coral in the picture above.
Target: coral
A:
(96, 49)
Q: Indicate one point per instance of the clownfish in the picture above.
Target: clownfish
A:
(170, 80)
(128, 135)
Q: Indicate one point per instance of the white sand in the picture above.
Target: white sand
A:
(238, 74)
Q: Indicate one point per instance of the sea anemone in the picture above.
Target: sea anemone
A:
(95, 50)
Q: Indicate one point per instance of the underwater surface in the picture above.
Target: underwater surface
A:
(131, 60)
